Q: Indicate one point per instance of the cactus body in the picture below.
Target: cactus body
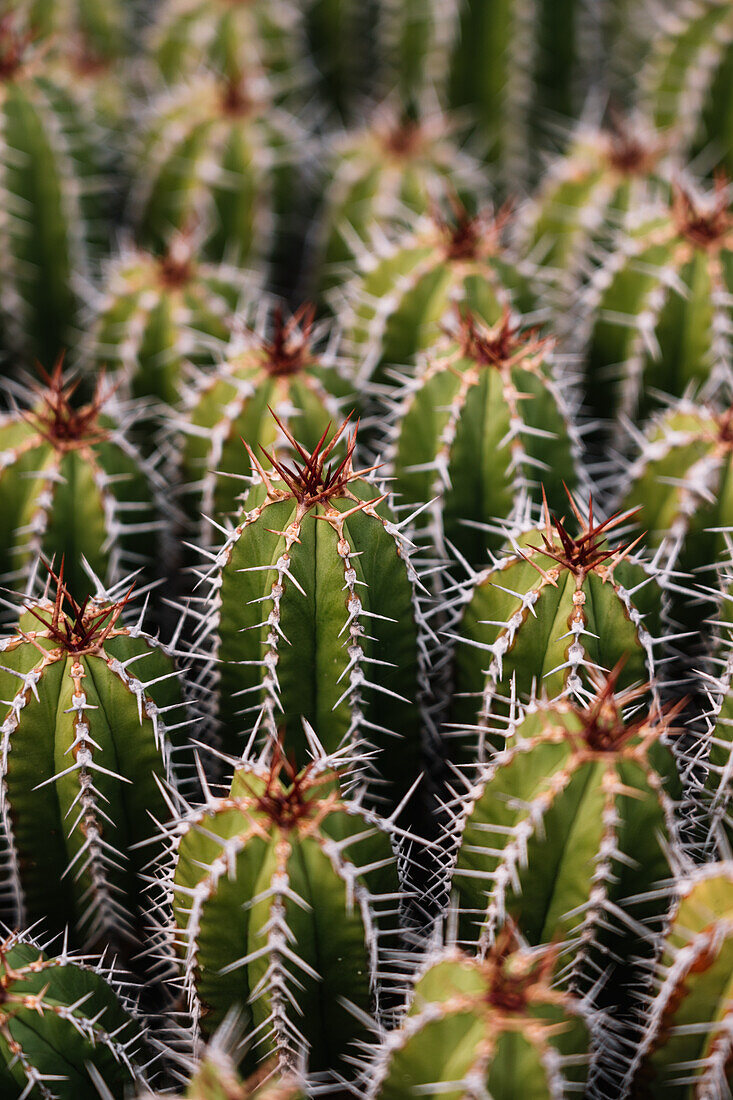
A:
(342, 46)
(73, 486)
(494, 1028)
(545, 611)
(65, 1030)
(103, 24)
(481, 425)
(277, 368)
(312, 613)
(686, 1050)
(414, 47)
(395, 306)
(659, 311)
(564, 825)
(276, 901)
(89, 703)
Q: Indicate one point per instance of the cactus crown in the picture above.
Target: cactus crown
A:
(77, 628)
(288, 800)
(588, 552)
(237, 99)
(289, 349)
(470, 237)
(516, 979)
(501, 345)
(707, 225)
(58, 421)
(627, 150)
(13, 46)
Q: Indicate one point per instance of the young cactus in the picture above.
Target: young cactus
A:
(395, 305)
(66, 1028)
(91, 710)
(553, 606)
(566, 824)
(658, 311)
(312, 613)
(284, 906)
(686, 1049)
(481, 424)
(486, 1027)
(276, 366)
(73, 486)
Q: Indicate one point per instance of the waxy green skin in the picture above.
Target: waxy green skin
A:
(84, 742)
(295, 632)
(688, 1021)
(291, 900)
(555, 835)
(454, 1034)
(57, 1035)
(467, 426)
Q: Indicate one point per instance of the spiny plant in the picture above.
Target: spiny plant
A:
(478, 427)
(52, 194)
(277, 364)
(284, 899)
(103, 24)
(342, 45)
(92, 710)
(687, 79)
(73, 485)
(407, 283)
(413, 39)
(395, 164)
(658, 310)
(685, 1052)
(158, 314)
(495, 1027)
(216, 152)
(67, 1028)
(564, 825)
(554, 605)
(312, 613)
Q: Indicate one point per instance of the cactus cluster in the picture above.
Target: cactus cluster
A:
(366, 549)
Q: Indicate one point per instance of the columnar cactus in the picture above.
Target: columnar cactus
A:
(276, 366)
(341, 39)
(481, 425)
(414, 46)
(395, 305)
(91, 710)
(71, 484)
(216, 153)
(312, 614)
(686, 1049)
(283, 904)
(52, 198)
(66, 1031)
(566, 824)
(487, 1027)
(551, 607)
(658, 311)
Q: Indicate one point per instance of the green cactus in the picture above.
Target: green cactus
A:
(564, 825)
(342, 44)
(277, 366)
(283, 904)
(481, 425)
(312, 613)
(103, 24)
(92, 707)
(487, 1027)
(658, 311)
(395, 305)
(414, 40)
(73, 486)
(552, 606)
(66, 1031)
(685, 1052)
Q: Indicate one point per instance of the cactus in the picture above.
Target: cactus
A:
(687, 80)
(103, 24)
(394, 307)
(342, 48)
(566, 824)
(281, 369)
(414, 40)
(66, 1028)
(487, 1027)
(312, 613)
(658, 312)
(398, 162)
(481, 424)
(92, 706)
(685, 1052)
(71, 484)
(50, 195)
(554, 605)
(158, 314)
(283, 904)
(217, 153)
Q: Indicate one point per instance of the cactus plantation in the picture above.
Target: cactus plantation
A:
(366, 549)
